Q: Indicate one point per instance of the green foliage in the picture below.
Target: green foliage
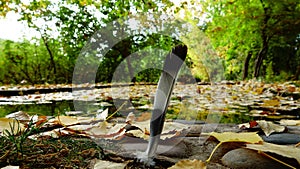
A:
(258, 26)
(267, 29)
(65, 27)
(26, 61)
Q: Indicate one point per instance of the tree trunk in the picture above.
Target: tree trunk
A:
(130, 70)
(265, 40)
(258, 62)
(52, 62)
(246, 65)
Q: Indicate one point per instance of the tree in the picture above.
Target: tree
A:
(65, 26)
(241, 30)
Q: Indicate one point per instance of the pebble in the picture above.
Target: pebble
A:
(249, 159)
(282, 138)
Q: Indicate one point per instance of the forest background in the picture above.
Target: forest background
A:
(254, 38)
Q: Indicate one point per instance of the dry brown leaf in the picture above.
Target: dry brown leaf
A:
(81, 127)
(139, 134)
(39, 120)
(107, 131)
(20, 115)
(130, 118)
(291, 88)
(170, 128)
(189, 164)
(269, 127)
(283, 150)
(144, 117)
(173, 126)
(56, 133)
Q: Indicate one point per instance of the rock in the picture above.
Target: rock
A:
(248, 159)
(282, 138)
(179, 150)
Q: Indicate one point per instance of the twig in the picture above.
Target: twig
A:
(275, 159)
(116, 111)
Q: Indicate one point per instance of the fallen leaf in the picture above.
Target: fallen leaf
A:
(289, 122)
(247, 137)
(271, 103)
(74, 113)
(189, 164)
(66, 120)
(52, 134)
(20, 115)
(170, 129)
(291, 89)
(38, 120)
(173, 126)
(269, 127)
(248, 125)
(81, 127)
(144, 117)
(102, 115)
(130, 118)
(10, 167)
(253, 124)
(101, 164)
(13, 126)
(244, 126)
(259, 90)
(139, 134)
(102, 128)
(283, 150)
(106, 131)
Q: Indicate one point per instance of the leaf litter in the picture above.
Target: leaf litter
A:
(244, 94)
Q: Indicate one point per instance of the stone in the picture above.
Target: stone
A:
(282, 138)
(249, 159)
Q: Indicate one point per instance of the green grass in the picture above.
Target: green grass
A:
(65, 152)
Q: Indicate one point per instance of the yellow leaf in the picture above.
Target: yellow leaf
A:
(66, 120)
(12, 125)
(283, 150)
(234, 97)
(189, 164)
(249, 137)
(259, 90)
(272, 103)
